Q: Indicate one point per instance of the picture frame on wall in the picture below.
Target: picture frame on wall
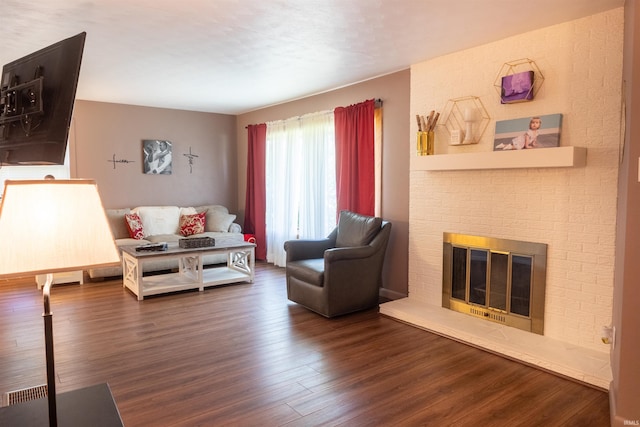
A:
(528, 132)
(517, 87)
(157, 156)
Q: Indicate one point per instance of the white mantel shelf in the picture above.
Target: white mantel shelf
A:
(556, 157)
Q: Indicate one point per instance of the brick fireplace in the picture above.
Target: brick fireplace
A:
(570, 208)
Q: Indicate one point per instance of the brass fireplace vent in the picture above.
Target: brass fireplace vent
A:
(499, 280)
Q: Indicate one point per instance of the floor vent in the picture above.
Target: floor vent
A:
(24, 395)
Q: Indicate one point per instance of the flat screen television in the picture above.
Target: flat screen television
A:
(37, 93)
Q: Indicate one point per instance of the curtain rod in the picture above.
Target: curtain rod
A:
(378, 104)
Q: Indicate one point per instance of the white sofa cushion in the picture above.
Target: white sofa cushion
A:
(159, 219)
(131, 242)
(164, 238)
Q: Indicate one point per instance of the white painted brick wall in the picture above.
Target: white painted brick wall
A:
(573, 210)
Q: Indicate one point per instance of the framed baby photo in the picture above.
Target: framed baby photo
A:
(156, 156)
(528, 132)
(517, 87)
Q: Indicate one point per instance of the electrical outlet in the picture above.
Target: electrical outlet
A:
(609, 335)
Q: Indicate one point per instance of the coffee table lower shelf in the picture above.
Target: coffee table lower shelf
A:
(191, 275)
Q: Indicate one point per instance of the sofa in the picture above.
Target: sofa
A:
(155, 224)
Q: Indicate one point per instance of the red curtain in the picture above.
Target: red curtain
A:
(255, 201)
(355, 167)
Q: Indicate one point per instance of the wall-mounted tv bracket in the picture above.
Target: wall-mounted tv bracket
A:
(21, 102)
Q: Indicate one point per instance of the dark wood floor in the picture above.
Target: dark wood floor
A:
(243, 355)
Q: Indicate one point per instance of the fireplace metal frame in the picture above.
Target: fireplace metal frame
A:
(537, 251)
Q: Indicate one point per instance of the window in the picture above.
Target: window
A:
(300, 181)
(307, 178)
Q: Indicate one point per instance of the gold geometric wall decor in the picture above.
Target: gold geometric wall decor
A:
(466, 117)
(518, 81)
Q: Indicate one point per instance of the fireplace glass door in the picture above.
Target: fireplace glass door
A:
(499, 275)
(520, 284)
(506, 278)
(494, 279)
(478, 277)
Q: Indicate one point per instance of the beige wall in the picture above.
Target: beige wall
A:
(625, 360)
(393, 89)
(101, 130)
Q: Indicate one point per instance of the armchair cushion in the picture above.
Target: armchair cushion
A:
(356, 230)
(307, 270)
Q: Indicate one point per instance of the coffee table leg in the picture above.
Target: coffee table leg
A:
(132, 275)
(191, 267)
(242, 261)
(252, 263)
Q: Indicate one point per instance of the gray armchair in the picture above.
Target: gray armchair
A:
(342, 273)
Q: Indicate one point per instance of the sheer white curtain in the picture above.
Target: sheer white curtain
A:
(300, 181)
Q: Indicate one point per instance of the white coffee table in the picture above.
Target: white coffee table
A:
(240, 267)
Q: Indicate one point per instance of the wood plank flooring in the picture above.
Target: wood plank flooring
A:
(242, 355)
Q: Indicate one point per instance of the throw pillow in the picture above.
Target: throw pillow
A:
(356, 230)
(134, 225)
(159, 219)
(192, 224)
(219, 221)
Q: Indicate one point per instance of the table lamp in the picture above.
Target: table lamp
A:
(50, 226)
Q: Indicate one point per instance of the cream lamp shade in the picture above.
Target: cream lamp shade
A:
(48, 226)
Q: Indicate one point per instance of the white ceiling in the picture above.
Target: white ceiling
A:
(234, 56)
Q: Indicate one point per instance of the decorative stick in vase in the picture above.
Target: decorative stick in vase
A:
(433, 123)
